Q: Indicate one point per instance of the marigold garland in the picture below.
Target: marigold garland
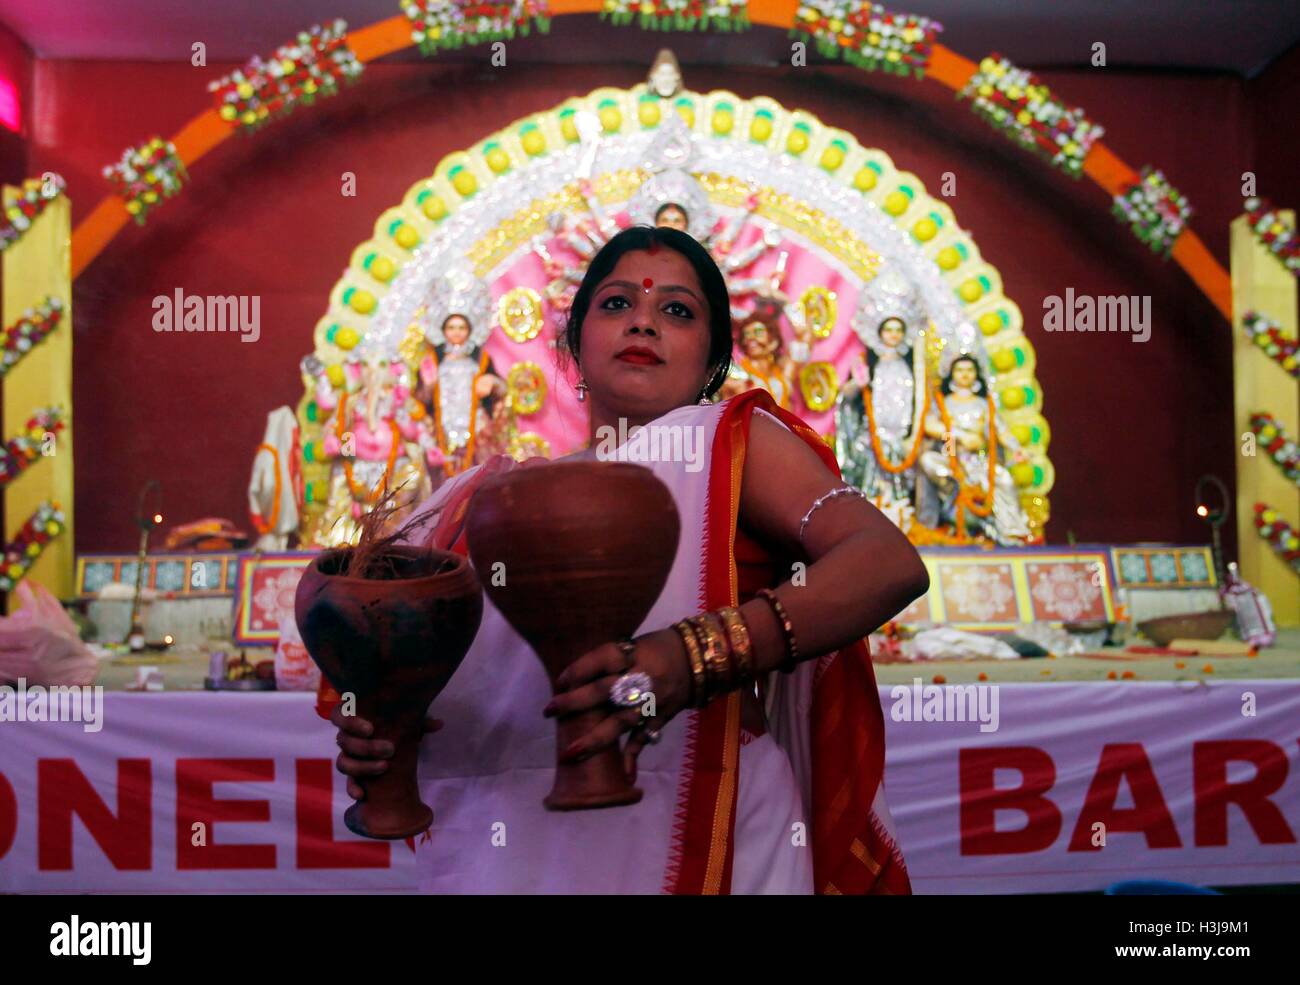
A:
(21, 552)
(868, 405)
(438, 25)
(1280, 446)
(28, 331)
(23, 205)
(382, 486)
(679, 15)
(1275, 232)
(1015, 102)
(313, 65)
(1155, 210)
(1280, 535)
(867, 35)
(145, 175)
(1267, 334)
(24, 448)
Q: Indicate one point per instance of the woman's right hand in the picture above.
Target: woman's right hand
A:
(361, 755)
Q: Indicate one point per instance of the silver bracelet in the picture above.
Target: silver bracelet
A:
(823, 500)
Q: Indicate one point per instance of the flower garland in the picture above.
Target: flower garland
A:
(679, 15)
(1280, 534)
(32, 328)
(868, 404)
(23, 205)
(21, 552)
(1023, 108)
(20, 451)
(1266, 334)
(1156, 211)
(1274, 232)
(438, 25)
(1280, 445)
(146, 174)
(867, 35)
(312, 65)
(381, 488)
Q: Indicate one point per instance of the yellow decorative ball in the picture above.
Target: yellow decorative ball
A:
(896, 203)
(1023, 474)
(434, 208)
(760, 128)
(465, 182)
(569, 128)
(648, 114)
(832, 158)
(335, 375)
(1011, 399)
(949, 258)
(382, 269)
(990, 323)
(534, 142)
(723, 121)
(925, 230)
(1023, 433)
(611, 119)
(346, 338)
(498, 160)
(971, 290)
(406, 237)
(687, 113)
(865, 179)
(362, 302)
(796, 142)
(1004, 360)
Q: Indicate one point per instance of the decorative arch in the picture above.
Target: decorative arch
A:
(843, 211)
(206, 130)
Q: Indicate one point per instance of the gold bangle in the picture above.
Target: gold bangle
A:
(742, 644)
(787, 627)
(717, 653)
(694, 653)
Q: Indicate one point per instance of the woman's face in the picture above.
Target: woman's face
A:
(456, 329)
(645, 339)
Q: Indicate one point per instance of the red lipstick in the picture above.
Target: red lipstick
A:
(639, 355)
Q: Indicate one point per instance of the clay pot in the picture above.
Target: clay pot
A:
(393, 643)
(574, 555)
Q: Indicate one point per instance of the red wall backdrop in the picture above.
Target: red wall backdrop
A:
(1133, 425)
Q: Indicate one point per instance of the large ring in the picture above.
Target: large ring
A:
(630, 689)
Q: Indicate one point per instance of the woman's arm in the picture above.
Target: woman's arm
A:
(860, 570)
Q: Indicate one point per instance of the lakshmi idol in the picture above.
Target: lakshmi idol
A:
(458, 383)
(962, 464)
(879, 410)
(761, 762)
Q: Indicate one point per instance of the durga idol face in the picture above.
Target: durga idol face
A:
(964, 374)
(756, 340)
(673, 216)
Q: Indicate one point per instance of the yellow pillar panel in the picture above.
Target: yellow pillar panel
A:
(37, 266)
(1261, 283)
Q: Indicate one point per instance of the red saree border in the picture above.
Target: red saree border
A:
(852, 851)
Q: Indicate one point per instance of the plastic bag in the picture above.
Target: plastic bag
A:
(40, 643)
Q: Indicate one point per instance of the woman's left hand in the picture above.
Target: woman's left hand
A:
(586, 684)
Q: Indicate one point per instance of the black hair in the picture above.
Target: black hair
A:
(980, 386)
(873, 358)
(665, 207)
(710, 277)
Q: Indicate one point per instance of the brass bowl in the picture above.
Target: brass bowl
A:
(1187, 626)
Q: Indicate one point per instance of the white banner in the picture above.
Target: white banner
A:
(1010, 788)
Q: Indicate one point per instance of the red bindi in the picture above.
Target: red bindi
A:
(647, 283)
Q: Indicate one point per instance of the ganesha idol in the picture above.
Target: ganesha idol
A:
(379, 440)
